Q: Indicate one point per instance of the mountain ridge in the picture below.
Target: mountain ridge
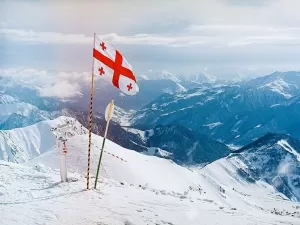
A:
(274, 158)
(231, 114)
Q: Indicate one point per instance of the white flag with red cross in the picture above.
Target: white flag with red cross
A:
(110, 65)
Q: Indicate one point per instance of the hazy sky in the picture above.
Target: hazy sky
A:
(224, 36)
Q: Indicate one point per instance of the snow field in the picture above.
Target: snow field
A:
(143, 190)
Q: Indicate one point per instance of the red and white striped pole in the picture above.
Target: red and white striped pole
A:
(63, 164)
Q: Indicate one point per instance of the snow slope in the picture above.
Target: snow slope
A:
(35, 196)
(23, 144)
(140, 190)
(273, 158)
(286, 84)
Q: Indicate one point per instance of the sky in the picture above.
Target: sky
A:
(223, 37)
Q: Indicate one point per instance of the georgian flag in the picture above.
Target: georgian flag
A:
(110, 65)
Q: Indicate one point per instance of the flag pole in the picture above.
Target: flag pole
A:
(90, 127)
(110, 112)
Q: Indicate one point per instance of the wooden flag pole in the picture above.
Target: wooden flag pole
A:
(90, 127)
(109, 115)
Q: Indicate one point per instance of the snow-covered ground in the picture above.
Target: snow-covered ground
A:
(134, 189)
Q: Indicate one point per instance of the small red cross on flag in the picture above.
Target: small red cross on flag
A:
(110, 65)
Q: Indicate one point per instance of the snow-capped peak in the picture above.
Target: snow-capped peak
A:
(210, 78)
(279, 86)
(286, 84)
(239, 77)
(159, 75)
(198, 77)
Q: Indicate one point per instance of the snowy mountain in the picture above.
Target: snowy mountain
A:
(159, 75)
(204, 77)
(239, 78)
(24, 144)
(134, 188)
(286, 84)
(20, 114)
(15, 91)
(185, 81)
(199, 78)
(274, 158)
(222, 112)
(233, 114)
(22, 105)
(7, 99)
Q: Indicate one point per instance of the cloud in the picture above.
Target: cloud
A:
(49, 83)
(255, 3)
(239, 35)
(63, 38)
(45, 37)
(176, 35)
(3, 23)
(212, 35)
(61, 89)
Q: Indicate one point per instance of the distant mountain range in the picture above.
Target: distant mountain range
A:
(186, 81)
(186, 125)
(233, 114)
(22, 106)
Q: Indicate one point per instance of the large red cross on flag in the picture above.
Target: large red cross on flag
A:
(110, 65)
